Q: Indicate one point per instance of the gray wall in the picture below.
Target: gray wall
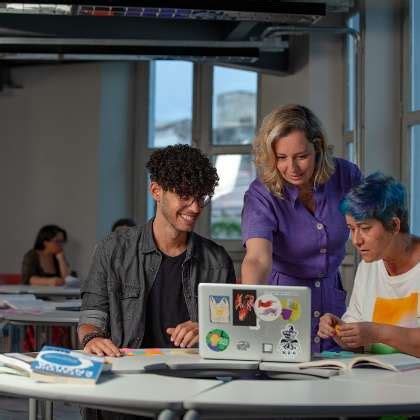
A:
(381, 148)
(317, 83)
(115, 146)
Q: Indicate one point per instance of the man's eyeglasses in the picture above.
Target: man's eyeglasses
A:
(201, 201)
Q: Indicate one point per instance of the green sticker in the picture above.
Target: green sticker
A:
(217, 340)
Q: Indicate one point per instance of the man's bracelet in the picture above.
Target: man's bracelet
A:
(91, 336)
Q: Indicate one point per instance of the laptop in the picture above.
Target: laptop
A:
(254, 322)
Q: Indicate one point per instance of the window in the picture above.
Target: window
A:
(415, 54)
(411, 114)
(415, 180)
(236, 173)
(170, 99)
(234, 106)
(171, 103)
(234, 119)
(215, 109)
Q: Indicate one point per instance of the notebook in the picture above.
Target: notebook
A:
(254, 322)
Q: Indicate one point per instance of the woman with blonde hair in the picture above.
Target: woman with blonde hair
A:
(292, 228)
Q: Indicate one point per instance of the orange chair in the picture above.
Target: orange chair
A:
(6, 278)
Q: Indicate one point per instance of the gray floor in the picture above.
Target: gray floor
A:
(17, 409)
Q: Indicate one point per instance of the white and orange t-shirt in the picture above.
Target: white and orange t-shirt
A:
(379, 297)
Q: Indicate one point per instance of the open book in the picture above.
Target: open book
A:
(396, 362)
(16, 364)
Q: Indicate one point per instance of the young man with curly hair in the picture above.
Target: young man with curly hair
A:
(142, 287)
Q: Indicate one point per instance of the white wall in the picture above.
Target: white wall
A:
(65, 147)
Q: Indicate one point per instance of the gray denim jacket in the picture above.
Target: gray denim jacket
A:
(123, 270)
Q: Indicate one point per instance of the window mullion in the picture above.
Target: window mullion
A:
(201, 127)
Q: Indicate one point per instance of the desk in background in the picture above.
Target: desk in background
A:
(43, 321)
(42, 291)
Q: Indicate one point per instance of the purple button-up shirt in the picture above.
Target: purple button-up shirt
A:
(307, 248)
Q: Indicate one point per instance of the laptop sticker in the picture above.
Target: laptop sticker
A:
(243, 307)
(289, 345)
(267, 307)
(217, 340)
(242, 345)
(291, 309)
(219, 309)
(267, 348)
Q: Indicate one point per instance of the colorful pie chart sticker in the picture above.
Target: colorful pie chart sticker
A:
(291, 309)
(267, 307)
(217, 340)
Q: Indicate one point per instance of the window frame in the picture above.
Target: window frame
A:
(201, 138)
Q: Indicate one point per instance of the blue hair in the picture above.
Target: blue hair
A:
(378, 197)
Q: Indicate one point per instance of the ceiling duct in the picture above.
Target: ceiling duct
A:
(138, 30)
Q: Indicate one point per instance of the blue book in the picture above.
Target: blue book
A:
(57, 364)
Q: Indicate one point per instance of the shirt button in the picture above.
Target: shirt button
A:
(317, 340)
(319, 226)
(323, 250)
(317, 314)
(317, 283)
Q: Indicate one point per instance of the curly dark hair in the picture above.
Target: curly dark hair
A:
(184, 170)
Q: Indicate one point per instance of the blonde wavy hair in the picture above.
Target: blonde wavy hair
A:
(280, 123)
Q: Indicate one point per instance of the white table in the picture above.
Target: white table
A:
(365, 392)
(48, 318)
(41, 291)
(360, 392)
(139, 394)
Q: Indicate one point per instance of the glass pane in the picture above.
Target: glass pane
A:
(236, 172)
(415, 180)
(234, 106)
(354, 23)
(151, 204)
(171, 84)
(415, 55)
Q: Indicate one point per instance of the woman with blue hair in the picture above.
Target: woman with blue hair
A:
(383, 312)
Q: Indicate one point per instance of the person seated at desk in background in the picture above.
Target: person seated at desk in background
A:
(292, 229)
(141, 290)
(122, 224)
(45, 264)
(383, 312)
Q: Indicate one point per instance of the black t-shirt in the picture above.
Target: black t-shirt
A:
(165, 306)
